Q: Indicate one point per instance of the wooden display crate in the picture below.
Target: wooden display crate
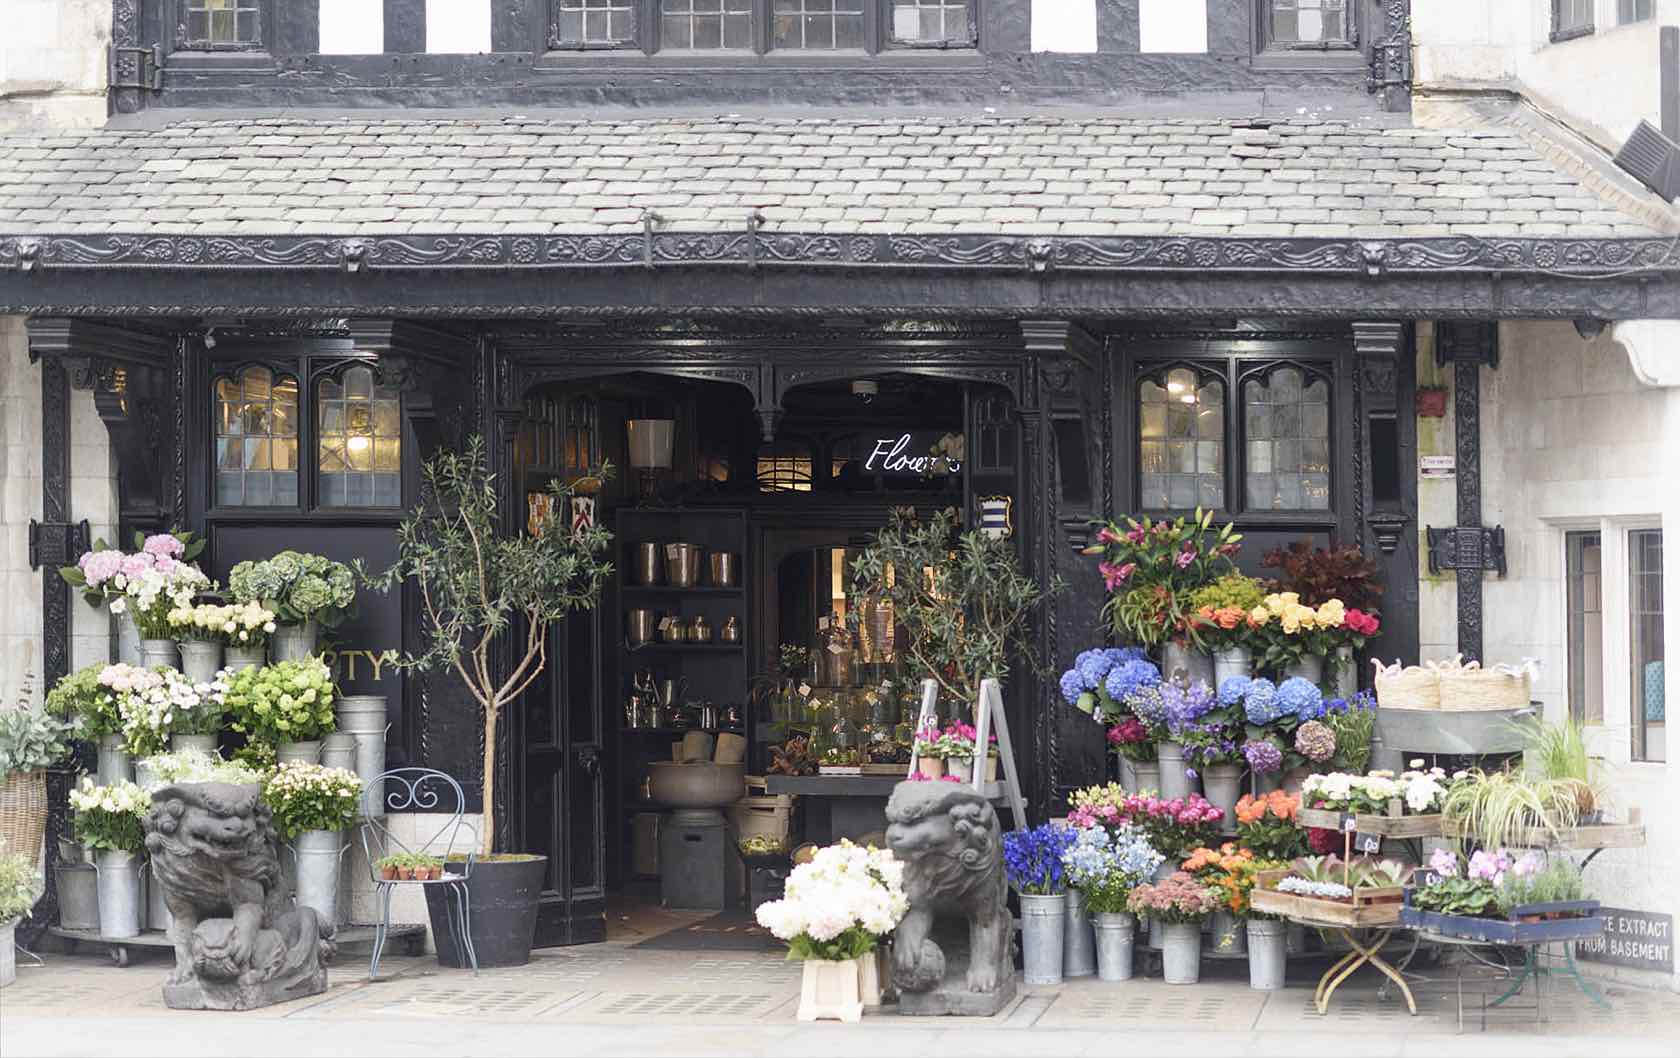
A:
(1392, 824)
(1369, 907)
(1593, 836)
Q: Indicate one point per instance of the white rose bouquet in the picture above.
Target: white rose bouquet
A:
(108, 817)
(840, 904)
(239, 625)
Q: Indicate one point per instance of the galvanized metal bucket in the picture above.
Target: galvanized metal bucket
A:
(1235, 661)
(119, 894)
(308, 752)
(1182, 664)
(338, 750)
(200, 659)
(1227, 936)
(205, 744)
(78, 895)
(8, 952)
(294, 642)
(1222, 785)
(1310, 667)
(238, 658)
(1267, 948)
(157, 908)
(128, 639)
(1174, 783)
(363, 716)
(1042, 931)
(155, 652)
(1181, 952)
(1114, 935)
(114, 762)
(318, 855)
(1079, 943)
(1148, 775)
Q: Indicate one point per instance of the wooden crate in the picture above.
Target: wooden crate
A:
(1595, 836)
(1369, 907)
(1391, 825)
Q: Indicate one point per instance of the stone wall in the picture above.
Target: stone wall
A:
(1571, 439)
(52, 63)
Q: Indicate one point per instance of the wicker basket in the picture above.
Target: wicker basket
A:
(1475, 689)
(23, 812)
(1414, 687)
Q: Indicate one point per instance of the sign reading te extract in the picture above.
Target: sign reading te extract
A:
(908, 453)
(1642, 940)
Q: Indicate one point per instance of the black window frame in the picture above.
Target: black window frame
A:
(646, 37)
(179, 41)
(308, 365)
(1562, 32)
(1354, 12)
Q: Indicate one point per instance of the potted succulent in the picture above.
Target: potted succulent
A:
(31, 740)
(480, 590)
(287, 705)
(1180, 902)
(305, 593)
(837, 909)
(1105, 864)
(20, 887)
(1032, 860)
(108, 822)
(311, 807)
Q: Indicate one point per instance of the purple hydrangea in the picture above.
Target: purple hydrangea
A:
(1260, 701)
(1263, 755)
(1147, 705)
(1298, 696)
(1185, 705)
(1128, 677)
(1232, 690)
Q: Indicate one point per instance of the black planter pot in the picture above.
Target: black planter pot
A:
(502, 912)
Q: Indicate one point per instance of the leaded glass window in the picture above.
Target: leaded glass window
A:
(593, 23)
(220, 23)
(1286, 426)
(817, 25)
(1181, 439)
(256, 416)
(705, 25)
(784, 466)
(1310, 23)
(359, 441)
(1645, 638)
(924, 22)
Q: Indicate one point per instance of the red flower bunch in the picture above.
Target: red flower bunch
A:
(1132, 731)
(1361, 623)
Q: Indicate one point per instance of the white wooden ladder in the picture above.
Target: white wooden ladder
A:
(988, 714)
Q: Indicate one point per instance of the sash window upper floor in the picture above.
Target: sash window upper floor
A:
(761, 25)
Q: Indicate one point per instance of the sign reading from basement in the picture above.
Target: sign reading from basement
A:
(1640, 939)
(920, 452)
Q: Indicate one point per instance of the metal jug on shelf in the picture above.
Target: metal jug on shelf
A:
(699, 630)
(646, 564)
(671, 692)
(724, 570)
(641, 626)
(708, 716)
(731, 630)
(682, 565)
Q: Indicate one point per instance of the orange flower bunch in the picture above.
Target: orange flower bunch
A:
(1278, 804)
(1227, 617)
(1230, 857)
(1230, 871)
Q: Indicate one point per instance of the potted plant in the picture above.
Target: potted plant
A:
(20, 887)
(957, 741)
(1266, 824)
(969, 612)
(1353, 722)
(478, 590)
(1559, 751)
(1180, 902)
(1149, 705)
(1498, 897)
(1225, 621)
(1501, 808)
(87, 702)
(159, 703)
(1344, 575)
(288, 705)
(1032, 860)
(312, 806)
(836, 909)
(1105, 863)
(107, 821)
(1100, 683)
(162, 582)
(1229, 870)
(305, 593)
(103, 575)
(1208, 734)
(31, 740)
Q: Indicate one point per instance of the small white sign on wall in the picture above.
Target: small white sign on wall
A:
(353, 27)
(457, 27)
(1064, 25)
(1172, 26)
(1437, 466)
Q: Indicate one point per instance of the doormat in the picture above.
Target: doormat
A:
(725, 931)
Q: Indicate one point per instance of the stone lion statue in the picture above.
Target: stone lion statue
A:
(948, 837)
(238, 942)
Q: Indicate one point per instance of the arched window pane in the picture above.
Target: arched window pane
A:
(784, 467)
(256, 439)
(359, 447)
(1287, 420)
(1181, 438)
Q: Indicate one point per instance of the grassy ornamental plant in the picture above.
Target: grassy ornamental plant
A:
(20, 885)
(478, 586)
(306, 796)
(966, 613)
(108, 817)
(289, 701)
(1496, 808)
(1559, 751)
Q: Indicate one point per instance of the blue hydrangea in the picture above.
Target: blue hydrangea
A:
(1298, 696)
(1260, 701)
(1121, 655)
(1093, 667)
(1073, 685)
(1233, 689)
(1148, 706)
(1126, 679)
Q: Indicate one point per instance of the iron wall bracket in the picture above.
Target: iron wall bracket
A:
(57, 543)
(1466, 549)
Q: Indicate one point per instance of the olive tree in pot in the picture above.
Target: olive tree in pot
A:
(480, 588)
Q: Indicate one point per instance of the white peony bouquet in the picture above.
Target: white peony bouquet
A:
(840, 904)
(239, 625)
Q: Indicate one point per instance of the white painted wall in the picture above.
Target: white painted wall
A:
(52, 62)
(1172, 26)
(457, 26)
(352, 27)
(1602, 84)
(1572, 439)
(1064, 25)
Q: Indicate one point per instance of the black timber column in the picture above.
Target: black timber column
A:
(1061, 426)
(1385, 478)
(1469, 548)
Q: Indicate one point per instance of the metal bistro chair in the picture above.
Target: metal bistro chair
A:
(419, 790)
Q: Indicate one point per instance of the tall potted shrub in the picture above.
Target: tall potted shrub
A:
(479, 588)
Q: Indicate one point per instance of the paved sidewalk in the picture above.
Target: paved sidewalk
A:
(611, 999)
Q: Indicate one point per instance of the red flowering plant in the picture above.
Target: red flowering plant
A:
(1130, 738)
(1151, 568)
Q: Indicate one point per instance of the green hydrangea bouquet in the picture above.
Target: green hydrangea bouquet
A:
(289, 701)
(297, 587)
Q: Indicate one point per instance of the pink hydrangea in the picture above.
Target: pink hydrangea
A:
(100, 566)
(164, 545)
(136, 564)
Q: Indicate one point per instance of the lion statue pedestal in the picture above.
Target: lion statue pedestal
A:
(948, 838)
(239, 944)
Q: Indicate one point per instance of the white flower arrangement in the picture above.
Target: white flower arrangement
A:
(108, 817)
(246, 624)
(1422, 791)
(158, 702)
(190, 766)
(1308, 887)
(840, 904)
(151, 587)
(307, 796)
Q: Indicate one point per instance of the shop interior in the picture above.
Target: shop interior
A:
(733, 633)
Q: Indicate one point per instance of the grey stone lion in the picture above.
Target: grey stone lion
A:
(948, 837)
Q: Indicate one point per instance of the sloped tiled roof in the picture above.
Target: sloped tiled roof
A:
(1068, 176)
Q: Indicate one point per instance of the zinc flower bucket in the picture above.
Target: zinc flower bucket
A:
(1079, 945)
(1268, 943)
(155, 652)
(201, 659)
(1115, 935)
(295, 642)
(1174, 783)
(1181, 952)
(119, 893)
(1043, 937)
